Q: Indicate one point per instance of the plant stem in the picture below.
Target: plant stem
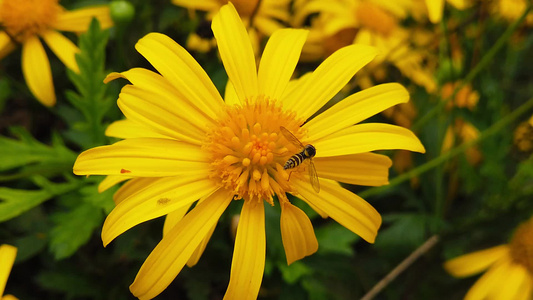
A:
(432, 241)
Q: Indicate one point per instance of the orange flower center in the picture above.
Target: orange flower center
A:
(522, 245)
(375, 18)
(25, 18)
(249, 151)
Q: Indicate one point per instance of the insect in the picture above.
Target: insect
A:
(308, 152)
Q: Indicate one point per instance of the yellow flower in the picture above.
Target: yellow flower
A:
(344, 22)
(261, 17)
(7, 258)
(183, 142)
(24, 21)
(523, 136)
(509, 268)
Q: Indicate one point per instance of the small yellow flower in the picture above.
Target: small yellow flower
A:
(509, 268)
(183, 142)
(25, 21)
(7, 258)
(523, 136)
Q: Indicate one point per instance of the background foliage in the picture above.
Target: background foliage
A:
(55, 218)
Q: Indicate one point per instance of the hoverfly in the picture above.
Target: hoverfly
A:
(308, 152)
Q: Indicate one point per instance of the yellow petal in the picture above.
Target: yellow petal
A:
(157, 199)
(79, 20)
(367, 169)
(37, 72)
(526, 290)
(205, 5)
(328, 79)
(6, 45)
(278, 61)
(297, 233)
(512, 285)
(248, 263)
(230, 95)
(157, 112)
(367, 137)
(173, 218)
(345, 207)
(127, 129)
(165, 93)
(132, 187)
(195, 257)
(7, 259)
(435, 8)
(236, 51)
(176, 64)
(356, 108)
(143, 157)
(63, 48)
(488, 284)
(475, 262)
(171, 254)
(110, 181)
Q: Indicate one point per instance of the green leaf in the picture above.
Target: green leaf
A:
(91, 99)
(34, 156)
(406, 232)
(334, 238)
(293, 273)
(73, 229)
(64, 281)
(15, 202)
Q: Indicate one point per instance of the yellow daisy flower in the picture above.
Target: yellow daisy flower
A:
(183, 142)
(509, 268)
(7, 258)
(376, 23)
(25, 21)
(261, 17)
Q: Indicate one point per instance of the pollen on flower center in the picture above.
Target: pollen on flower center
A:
(248, 150)
(23, 19)
(522, 246)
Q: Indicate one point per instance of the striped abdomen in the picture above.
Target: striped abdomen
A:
(295, 160)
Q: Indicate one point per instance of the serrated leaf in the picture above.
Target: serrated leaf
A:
(34, 155)
(334, 238)
(90, 99)
(14, 202)
(73, 229)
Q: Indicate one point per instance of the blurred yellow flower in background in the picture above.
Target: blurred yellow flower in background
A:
(25, 21)
(261, 18)
(184, 143)
(7, 259)
(338, 23)
(509, 268)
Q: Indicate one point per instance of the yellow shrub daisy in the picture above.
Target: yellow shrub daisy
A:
(7, 259)
(25, 21)
(261, 17)
(183, 142)
(509, 268)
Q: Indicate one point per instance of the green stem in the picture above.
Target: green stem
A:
(486, 60)
(495, 128)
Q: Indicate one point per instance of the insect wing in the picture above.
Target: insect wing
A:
(290, 137)
(313, 177)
